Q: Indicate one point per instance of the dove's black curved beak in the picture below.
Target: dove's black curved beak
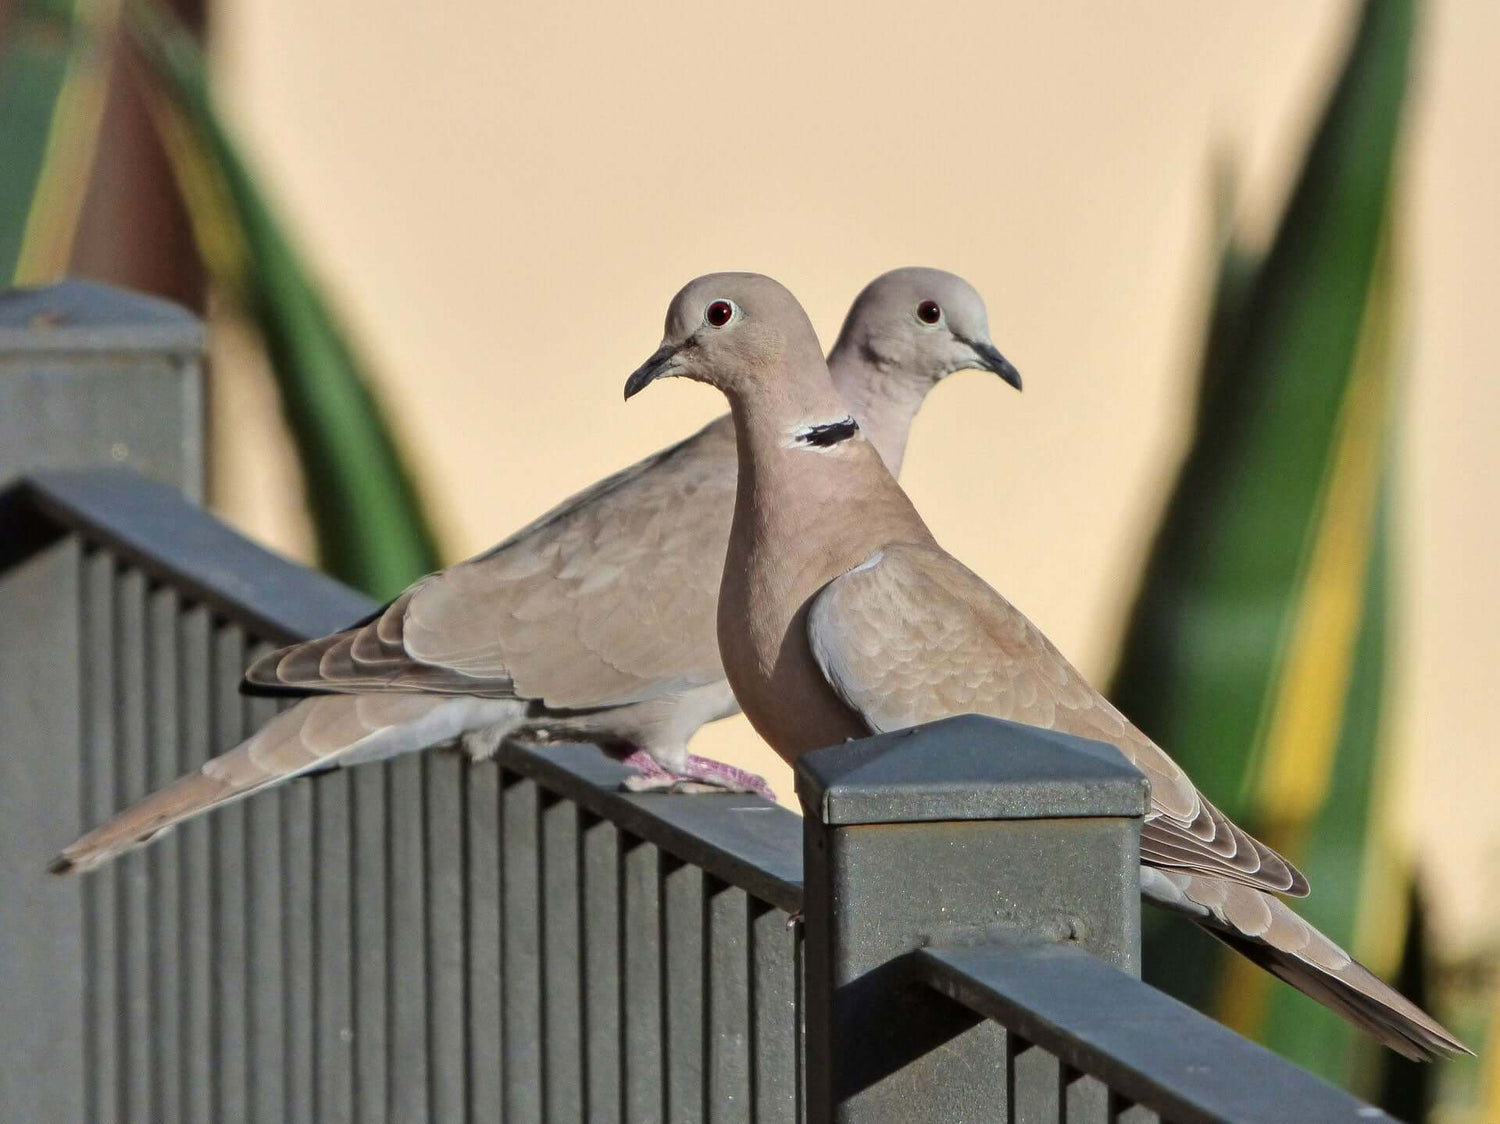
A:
(990, 359)
(651, 370)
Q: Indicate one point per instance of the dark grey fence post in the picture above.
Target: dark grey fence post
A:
(92, 376)
(88, 376)
(969, 830)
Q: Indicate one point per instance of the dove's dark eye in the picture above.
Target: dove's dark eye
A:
(929, 313)
(718, 313)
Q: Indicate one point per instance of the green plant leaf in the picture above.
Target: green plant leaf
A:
(1255, 650)
(370, 526)
(53, 74)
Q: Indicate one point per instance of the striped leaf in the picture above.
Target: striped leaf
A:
(370, 526)
(53, 73)
(1256, 649)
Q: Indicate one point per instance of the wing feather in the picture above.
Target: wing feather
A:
(606, 600)
(912, 635)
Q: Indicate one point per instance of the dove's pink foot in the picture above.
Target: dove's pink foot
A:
(699, 774)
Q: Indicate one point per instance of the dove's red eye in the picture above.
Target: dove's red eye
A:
(718, 313)
(929, 313)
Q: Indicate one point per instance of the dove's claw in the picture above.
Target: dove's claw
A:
(698, 775)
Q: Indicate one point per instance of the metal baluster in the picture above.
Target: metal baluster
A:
(333, 964)
(102, 890)
(727, 1042)
(163, 861)
(265, 927)
(562, 951)
(641, 1021)
(199, 1074)
(447, 1030)
(231, 993)
(408, 1076)
(774, 987)
(603, 904)
(131, 873)
(370, 787)
(520, 967)
(486, 1031)
(300, 861)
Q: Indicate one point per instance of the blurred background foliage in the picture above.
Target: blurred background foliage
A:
(370, 526)
(1257, 647)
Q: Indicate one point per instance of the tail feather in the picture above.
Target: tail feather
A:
(318, 733)
(1264, 929)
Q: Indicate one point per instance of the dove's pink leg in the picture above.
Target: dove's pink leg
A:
(699, 774)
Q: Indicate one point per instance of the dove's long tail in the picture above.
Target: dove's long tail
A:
(318, 733)
(1263, 928)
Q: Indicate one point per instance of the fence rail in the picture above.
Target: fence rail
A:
(427, 939)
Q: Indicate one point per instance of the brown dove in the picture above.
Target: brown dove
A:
(595, 622)
(840, 616)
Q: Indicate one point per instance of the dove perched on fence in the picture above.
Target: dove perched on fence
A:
(595, 622)
(840, 616)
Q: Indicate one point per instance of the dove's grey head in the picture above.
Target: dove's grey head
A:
(734, 331)
(921, 325)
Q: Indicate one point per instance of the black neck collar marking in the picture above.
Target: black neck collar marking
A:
(829, 433)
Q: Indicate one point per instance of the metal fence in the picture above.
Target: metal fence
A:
(432, 940)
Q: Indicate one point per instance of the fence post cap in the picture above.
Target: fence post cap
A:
(969, 767)
(86, 315)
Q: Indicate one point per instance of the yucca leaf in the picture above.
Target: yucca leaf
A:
(1255, 651)
(53, 73)
(370, 526)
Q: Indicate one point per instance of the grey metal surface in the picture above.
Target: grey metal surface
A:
(176, 543)
(991, 770)
(43, 940)
(877, 890)
(424, 939)
(91, 375)
(433, 939)
(1145, 1045)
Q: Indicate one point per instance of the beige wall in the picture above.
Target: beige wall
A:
(506, 195)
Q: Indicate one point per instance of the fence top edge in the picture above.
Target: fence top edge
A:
(1138, 1040)
(969, 767)
(174, 541)
(741, 840)
(79, 315)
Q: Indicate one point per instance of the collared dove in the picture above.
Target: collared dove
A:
(595, 622)
(840, 616)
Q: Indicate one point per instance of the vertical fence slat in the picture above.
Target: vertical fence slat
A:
(602, 907)
(486, 1034)
(231, 994)
(445, 934)
(1085, 1098)
(195, 856)
(333, 950)
(299, 861)
(682, 974)
(562, 952)
(774, 1016)
(641, 999)
(727, 963)
(132, 871)
(265, 962)
(163, 859)
(408, 1076)
(520, 967)
(1035, 1084)
(370, 786)
(1124, 1111)
(101, 892)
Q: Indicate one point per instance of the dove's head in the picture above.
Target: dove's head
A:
(734, 331)
(920, 325)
